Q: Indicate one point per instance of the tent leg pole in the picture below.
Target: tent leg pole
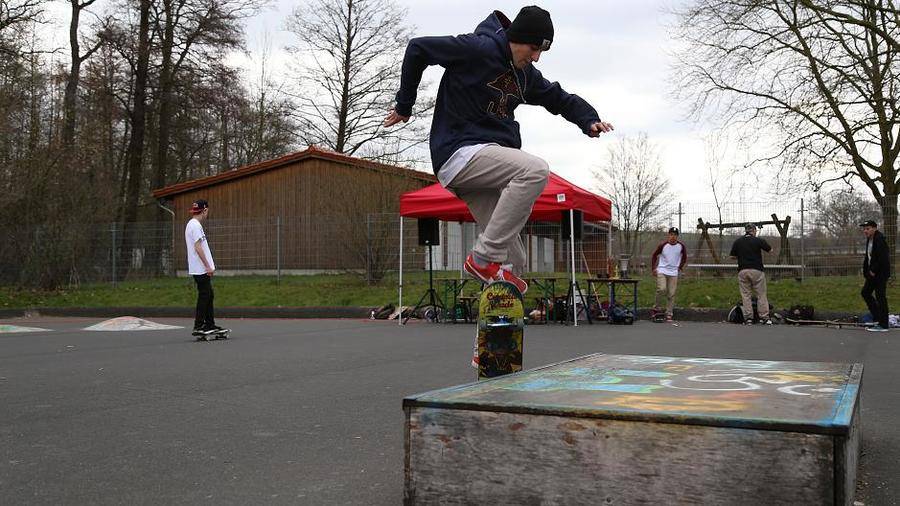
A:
(572, 244)
(462, 248)
(400, 285)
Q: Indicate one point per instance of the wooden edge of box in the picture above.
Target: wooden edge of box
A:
(413, 400)
(667, 418)
(846, 407)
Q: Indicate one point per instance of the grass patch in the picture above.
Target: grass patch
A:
(825, 294)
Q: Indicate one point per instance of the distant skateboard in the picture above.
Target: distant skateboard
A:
(501, 325)
(828, 323)
(657, 316)
(213, 336)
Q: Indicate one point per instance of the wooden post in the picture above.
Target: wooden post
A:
(784, 255)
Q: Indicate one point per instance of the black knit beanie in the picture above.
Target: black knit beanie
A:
(532, 26)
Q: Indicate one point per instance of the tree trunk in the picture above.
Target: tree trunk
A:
(889, 216)
(136, 143)
(341, 143)
(68, 134)
(225, 160)
(160, 172)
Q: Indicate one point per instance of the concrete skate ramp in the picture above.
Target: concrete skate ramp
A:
(12, 329)
(128, 323)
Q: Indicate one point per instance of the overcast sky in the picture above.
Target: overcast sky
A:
(613, 53)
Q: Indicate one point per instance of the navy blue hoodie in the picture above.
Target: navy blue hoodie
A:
(481, 89)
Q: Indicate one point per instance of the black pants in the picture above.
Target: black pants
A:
(878, 305)
(204, 314)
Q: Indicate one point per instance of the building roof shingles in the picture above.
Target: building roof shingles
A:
(311, 152)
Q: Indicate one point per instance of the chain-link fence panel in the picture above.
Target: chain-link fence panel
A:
(809, 237)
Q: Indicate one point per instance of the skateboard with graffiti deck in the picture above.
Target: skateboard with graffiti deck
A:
(501, 328)
(215, 336)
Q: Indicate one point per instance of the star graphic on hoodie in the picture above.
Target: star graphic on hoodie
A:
(508, 86)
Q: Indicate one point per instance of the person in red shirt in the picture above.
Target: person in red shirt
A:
(668, 261)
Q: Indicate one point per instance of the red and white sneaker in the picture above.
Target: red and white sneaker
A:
(493, 272)
(516, 280)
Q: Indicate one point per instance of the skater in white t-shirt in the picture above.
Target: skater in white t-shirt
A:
(202, 268)
(668, 260)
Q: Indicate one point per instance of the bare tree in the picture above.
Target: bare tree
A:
(348, 60)
(633, 179)
(76, 60)
(269, 130)
(818, 87)
(135, 156)
(262, 126)
(841, 212)
(15, 17)
(838, 11)
(194, 33)
(719, 177)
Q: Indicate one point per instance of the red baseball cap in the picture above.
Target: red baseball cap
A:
(198, 206)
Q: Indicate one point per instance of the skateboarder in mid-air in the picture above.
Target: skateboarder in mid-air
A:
(202, 268)
(475, 143)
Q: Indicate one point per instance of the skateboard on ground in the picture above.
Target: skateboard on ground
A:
(213, 336)
(501, 325)
(827, 323)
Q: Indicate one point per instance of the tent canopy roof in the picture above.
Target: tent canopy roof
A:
(559, 195)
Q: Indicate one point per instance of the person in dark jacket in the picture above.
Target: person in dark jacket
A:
(751, 273)
(475, 143)
(876, 271)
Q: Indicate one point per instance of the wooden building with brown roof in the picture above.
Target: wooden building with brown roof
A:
(310, 211)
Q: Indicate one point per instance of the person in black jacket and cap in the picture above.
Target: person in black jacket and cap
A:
(475, 143)
(876, 271)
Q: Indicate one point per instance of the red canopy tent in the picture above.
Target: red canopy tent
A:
(560, 195)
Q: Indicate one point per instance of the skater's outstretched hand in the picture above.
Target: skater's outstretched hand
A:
(393, 118)
(600, 127)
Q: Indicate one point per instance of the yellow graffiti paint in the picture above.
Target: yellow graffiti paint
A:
(663, 403)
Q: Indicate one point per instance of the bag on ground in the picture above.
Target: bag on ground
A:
(383, 312)
(801, 312)
(736, 315)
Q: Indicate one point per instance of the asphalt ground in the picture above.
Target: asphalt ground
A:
(309, 411)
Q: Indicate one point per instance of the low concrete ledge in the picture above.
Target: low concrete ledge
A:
(681, 314)
(188, 312)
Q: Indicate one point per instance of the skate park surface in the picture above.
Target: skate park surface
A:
(310, 411)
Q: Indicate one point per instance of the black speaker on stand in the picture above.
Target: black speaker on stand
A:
(566, 227)
(429, 235)
(574, 292)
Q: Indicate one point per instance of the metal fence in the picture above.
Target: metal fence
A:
(806, 241)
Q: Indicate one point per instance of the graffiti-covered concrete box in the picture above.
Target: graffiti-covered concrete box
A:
(619, 429)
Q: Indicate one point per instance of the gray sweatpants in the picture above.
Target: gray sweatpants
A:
(500, 186)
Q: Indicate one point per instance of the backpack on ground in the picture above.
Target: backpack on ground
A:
(800, 312)
(621, 315)
(382, 313)
(736, 315)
